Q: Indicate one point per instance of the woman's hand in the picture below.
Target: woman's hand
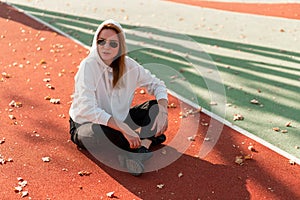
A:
(131, 136)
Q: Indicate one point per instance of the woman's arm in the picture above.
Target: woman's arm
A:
(131, 136)
(161, 121)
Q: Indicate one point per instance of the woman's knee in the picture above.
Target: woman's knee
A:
(86, 136)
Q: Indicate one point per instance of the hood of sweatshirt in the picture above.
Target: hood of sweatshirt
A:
(100, 27)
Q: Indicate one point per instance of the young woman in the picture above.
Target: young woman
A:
(101, 114)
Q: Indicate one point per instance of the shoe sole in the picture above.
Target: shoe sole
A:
(134, 167)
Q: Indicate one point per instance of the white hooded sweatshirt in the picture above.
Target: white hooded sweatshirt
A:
(96, 100)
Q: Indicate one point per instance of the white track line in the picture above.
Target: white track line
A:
(190, 103)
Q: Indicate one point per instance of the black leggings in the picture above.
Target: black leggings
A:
(140, 116)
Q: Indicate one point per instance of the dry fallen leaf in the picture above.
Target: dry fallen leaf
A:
(251, 148)
(62, 116)
(254, 101)
(43, 62)
(172, 105)
(55, 101)
(180, 174)
(2, 160)
(84, 173)
(191, 138)
(12, 117)
(46, 79)
(15, 104)
(6, 75)
(277, 129)
(238, 117)
(242, 158)
(247, 157)
(12, 103)
(110, 194)
(50, 86)
(204, 124)
(183, 115)
(2, 140)
(22, 183)
(213, 103)
(142, 92)
(239, 160)
(18, 104)
(47, 98)
(18, 189)
(46, 159)
(24, 194)
(292, 162)
(288, 124)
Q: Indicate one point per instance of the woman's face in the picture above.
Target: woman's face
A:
(108, 45)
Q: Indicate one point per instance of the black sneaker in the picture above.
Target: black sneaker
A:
(157, 140)
(142, 154)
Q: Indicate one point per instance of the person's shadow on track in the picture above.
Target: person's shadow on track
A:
(186, 178)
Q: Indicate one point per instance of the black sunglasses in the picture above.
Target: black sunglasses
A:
(112, 43)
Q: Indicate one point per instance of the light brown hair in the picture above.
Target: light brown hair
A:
(118, 64)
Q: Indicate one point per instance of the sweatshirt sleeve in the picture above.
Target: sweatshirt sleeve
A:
(84, 107)
(153, 85)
